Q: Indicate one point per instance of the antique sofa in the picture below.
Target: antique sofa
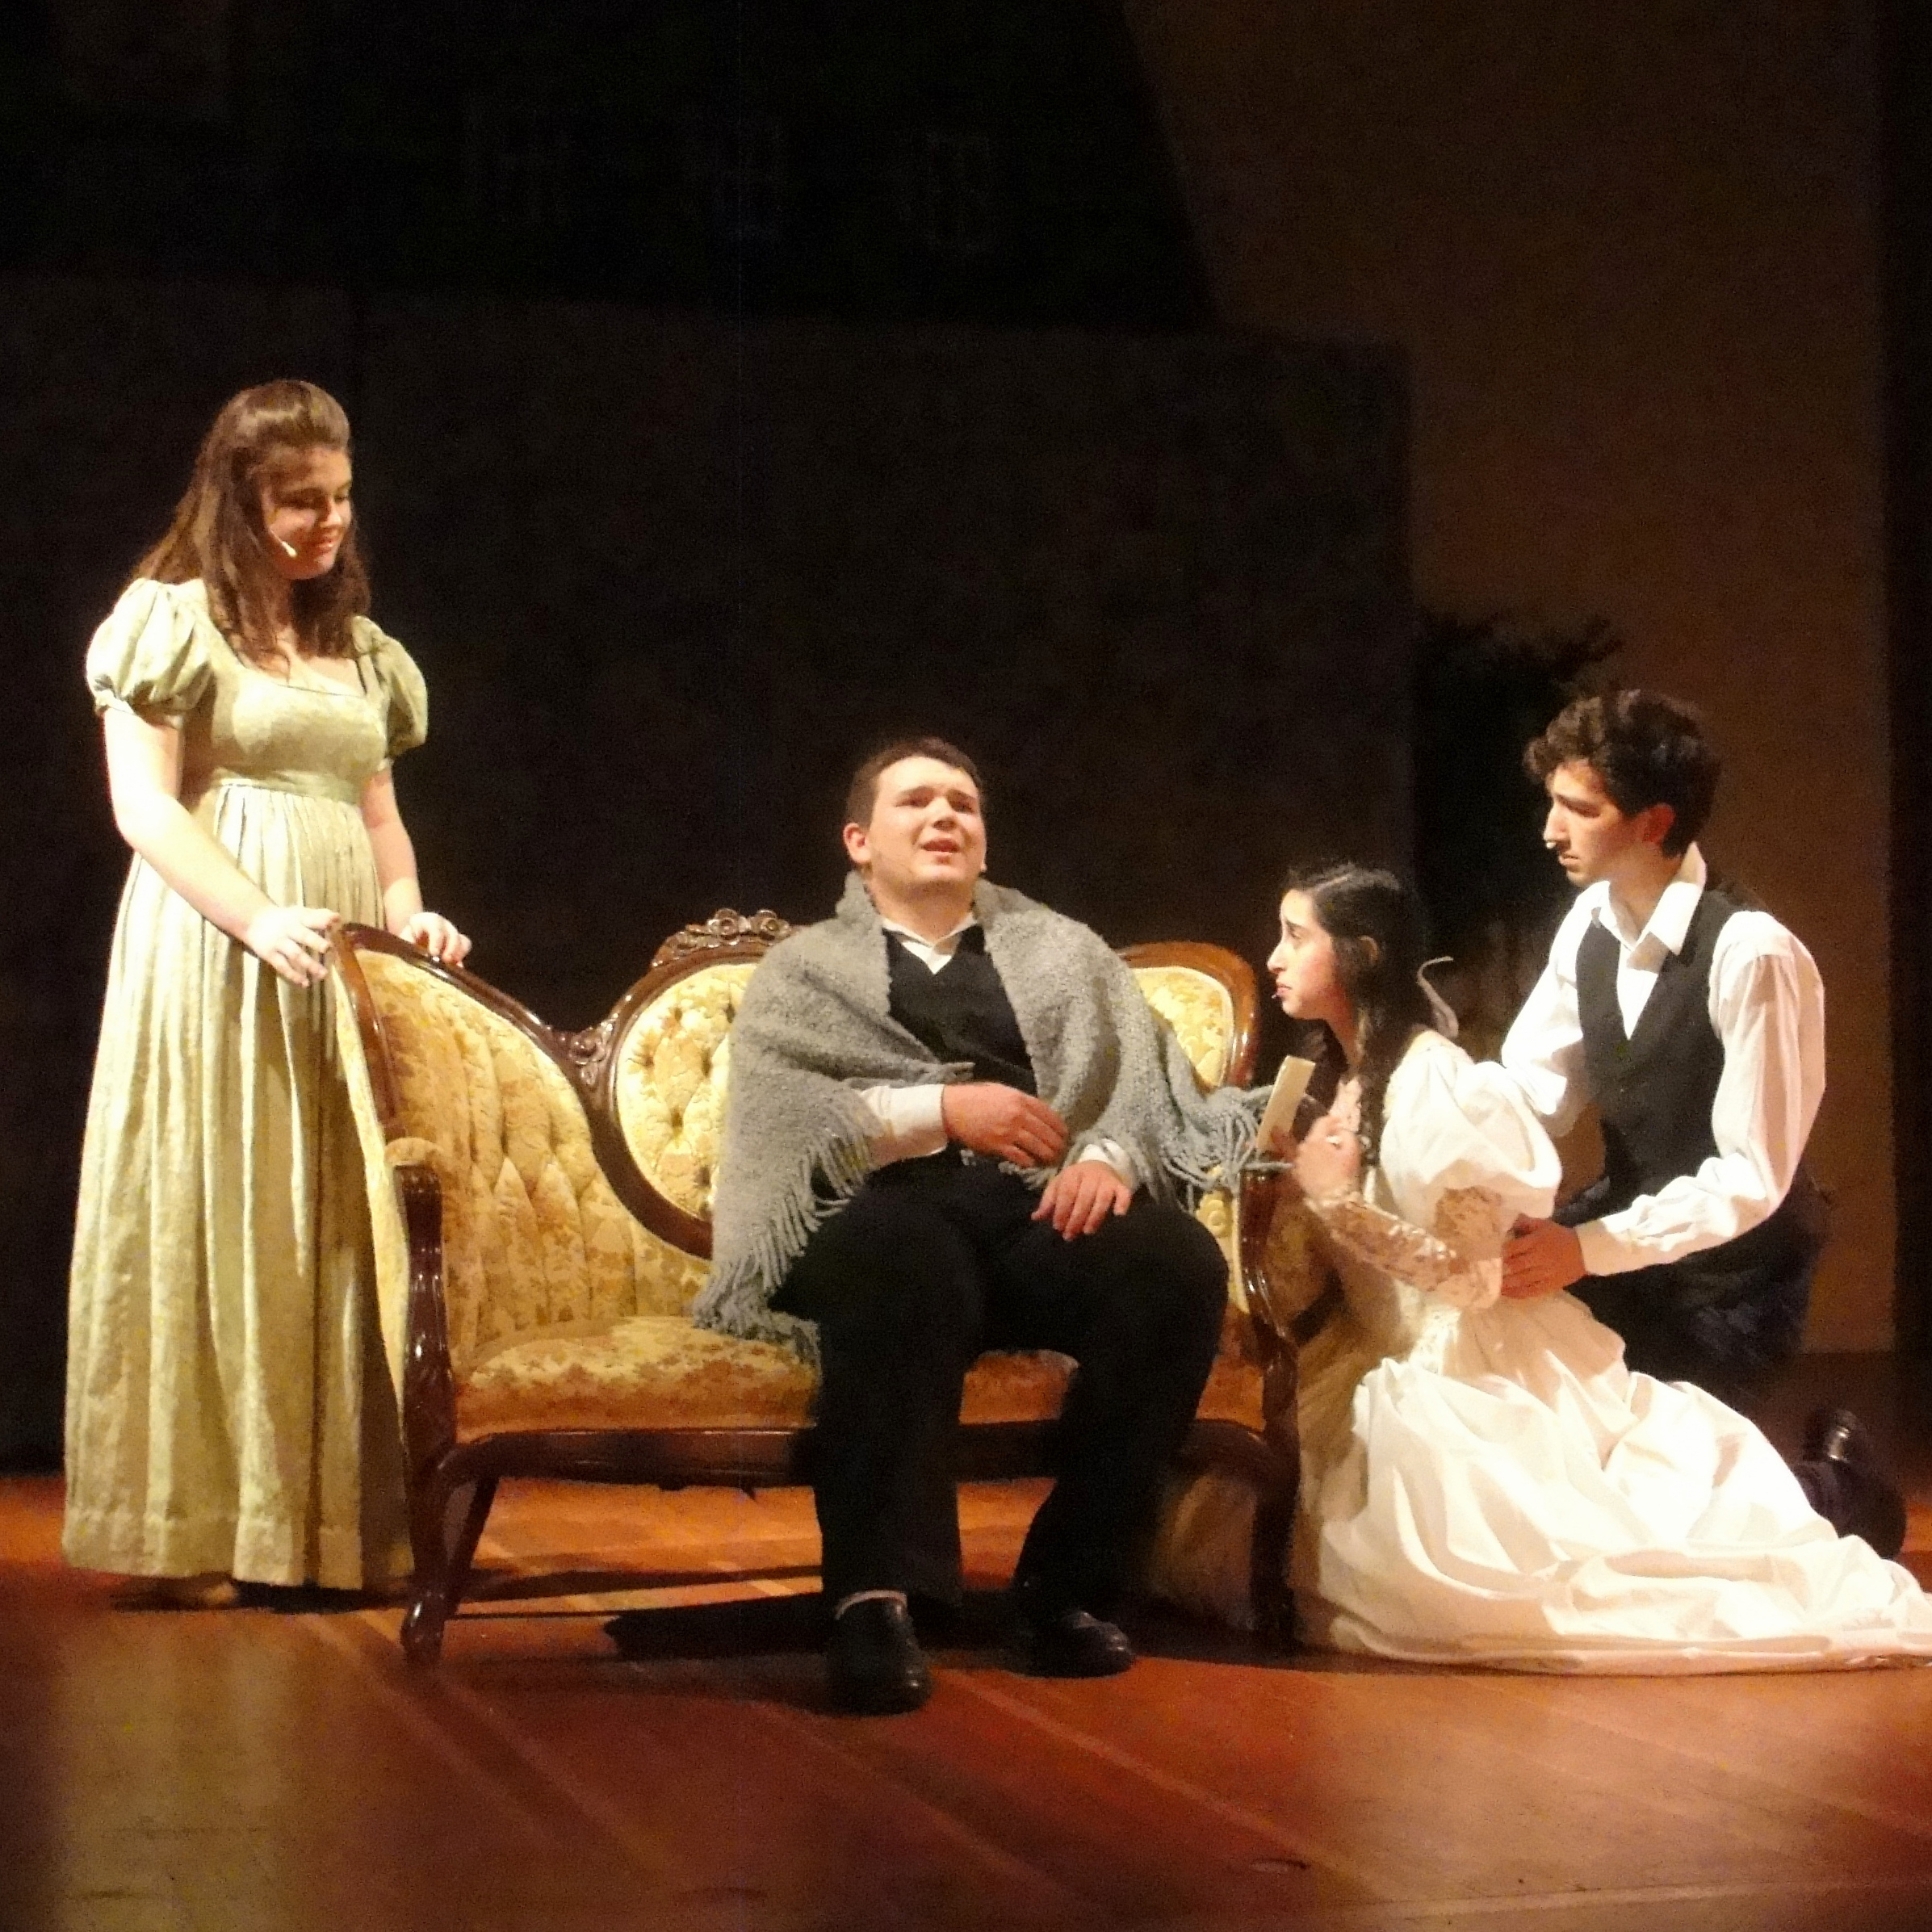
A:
(540, 1201)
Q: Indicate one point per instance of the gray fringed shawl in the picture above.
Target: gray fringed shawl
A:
(815, 1030)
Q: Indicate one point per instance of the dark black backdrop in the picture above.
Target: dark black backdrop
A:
(668, 575)
(1906, 49)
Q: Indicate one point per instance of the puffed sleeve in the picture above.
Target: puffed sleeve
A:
(408, 697)
(150, 655)
(1452, 1125)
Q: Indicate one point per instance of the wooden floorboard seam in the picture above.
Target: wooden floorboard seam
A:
(650, 1856)
(1762, 1772)
(1302, 1850)
(423, 1726)
(1338, 1918)
(802, 1731)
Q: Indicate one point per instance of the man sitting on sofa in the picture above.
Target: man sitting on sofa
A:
(905, 1076)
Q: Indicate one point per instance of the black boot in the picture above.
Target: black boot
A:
(1848, 1483)
(1056, 1638)
(872, 1662)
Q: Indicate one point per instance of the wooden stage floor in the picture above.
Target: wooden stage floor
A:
(253, 1769)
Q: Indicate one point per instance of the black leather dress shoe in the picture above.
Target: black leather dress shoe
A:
(1056, 1638)
(1872, 1506)
(873, 1663)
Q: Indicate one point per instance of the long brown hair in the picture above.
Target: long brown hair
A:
(1380, 937)
(217, 532)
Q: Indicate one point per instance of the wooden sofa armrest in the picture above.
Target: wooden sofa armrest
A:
(353, 939)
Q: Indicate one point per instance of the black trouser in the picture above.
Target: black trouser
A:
(1732, 1345)
(1727, 1320)
(933, 1262)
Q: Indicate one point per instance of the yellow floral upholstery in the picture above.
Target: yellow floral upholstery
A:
(657, 1372)
(1233, 1390)
(533, 1238)
(672, 1060)
(1199, 1008)
(564, 1311)
(1201, 1012)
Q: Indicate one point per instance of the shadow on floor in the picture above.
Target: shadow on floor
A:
(772, 1625)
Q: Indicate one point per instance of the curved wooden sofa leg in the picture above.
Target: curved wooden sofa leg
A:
(1275, 1508)
(482, 1494)
(423, 1629)
(1271, 1469)
(443, 1557)
(429, 1604)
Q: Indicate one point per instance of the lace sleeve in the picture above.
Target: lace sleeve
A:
(1455, 1263)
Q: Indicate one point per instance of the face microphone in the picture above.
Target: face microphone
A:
(288, 546)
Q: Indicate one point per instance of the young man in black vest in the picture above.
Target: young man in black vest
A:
(944, 1248)
(1695, 1023)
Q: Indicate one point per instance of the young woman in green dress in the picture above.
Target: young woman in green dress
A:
(229, 1410)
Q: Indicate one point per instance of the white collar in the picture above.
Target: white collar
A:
(1670, 920)
(892, 925)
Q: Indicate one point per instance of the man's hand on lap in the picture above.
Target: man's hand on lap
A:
(1080, 1199)
(1003, 1123)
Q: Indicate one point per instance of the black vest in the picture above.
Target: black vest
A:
(960, 1013)
(1653, 1090)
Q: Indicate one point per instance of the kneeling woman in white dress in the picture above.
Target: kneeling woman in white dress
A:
(1484, 1481)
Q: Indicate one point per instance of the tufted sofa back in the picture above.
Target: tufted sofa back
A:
(576, 1170)
(669, 1068)
(534, 1237)
(671, 1058)
(1200, 1008)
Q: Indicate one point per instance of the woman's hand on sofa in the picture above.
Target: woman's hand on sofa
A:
(436, 937)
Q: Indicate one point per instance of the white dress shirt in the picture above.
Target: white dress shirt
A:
(1767, 1006)
(909, 1122)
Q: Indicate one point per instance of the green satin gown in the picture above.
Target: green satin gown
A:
(228, 1406)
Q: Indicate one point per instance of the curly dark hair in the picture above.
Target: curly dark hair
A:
(1645, 749)
(1381, 936)
(217, 532)
(861, 796)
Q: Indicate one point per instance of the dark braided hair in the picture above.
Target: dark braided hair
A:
(1381, 941)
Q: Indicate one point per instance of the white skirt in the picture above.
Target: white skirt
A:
(1511, 1494)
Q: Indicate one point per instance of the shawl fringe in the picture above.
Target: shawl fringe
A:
(815, 1027)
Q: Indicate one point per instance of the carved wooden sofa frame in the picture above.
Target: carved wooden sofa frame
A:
(451, 1475)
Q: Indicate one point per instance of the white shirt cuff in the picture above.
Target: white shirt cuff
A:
(908, 1122)
(1115, 1156)
(1603, 1254)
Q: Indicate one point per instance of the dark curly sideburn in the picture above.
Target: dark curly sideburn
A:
(1381, 938)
